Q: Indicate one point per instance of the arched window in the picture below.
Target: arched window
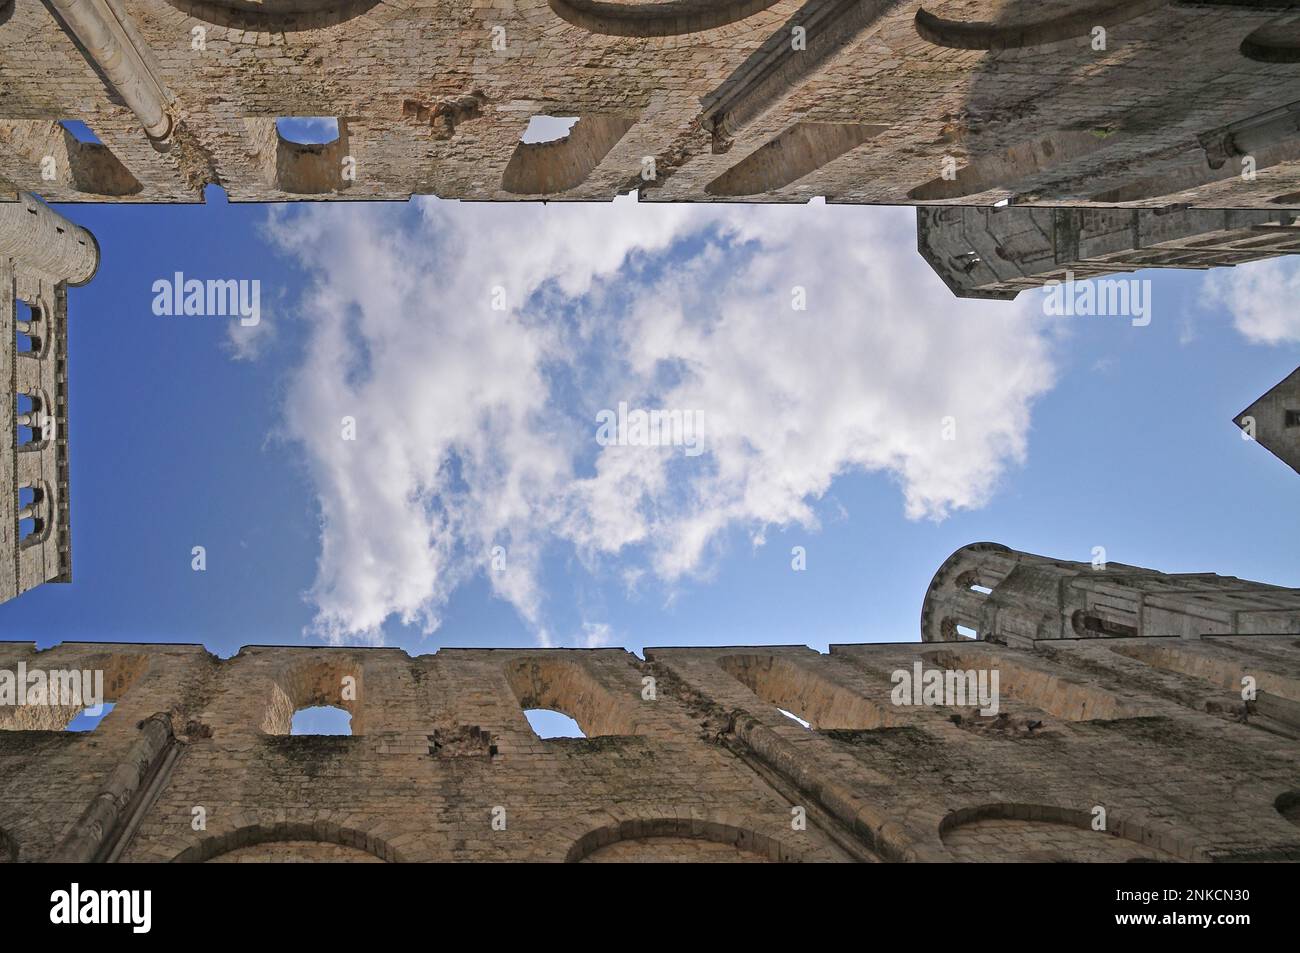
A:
(547, 129)
(308, 130)
(88, 719)
(320, 720)
(33, 514)
(303, 155)
(27, 328)
(802, 694)
(549, 723)
(562, 697)
(316, 696)
(557, 165)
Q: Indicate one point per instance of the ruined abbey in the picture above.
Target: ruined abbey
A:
(1041, 140)
(1073, 136)
(689, 753)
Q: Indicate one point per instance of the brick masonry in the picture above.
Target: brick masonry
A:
(1153, 730)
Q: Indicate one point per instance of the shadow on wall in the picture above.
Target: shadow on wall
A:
(792, 688)
(802, 149)
(548, 168)
(1040, 168)
(569, 688)
(90, 168)
(1022, 23)
(1275, 42)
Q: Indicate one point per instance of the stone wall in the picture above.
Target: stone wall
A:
(880, 101)
(689, 755)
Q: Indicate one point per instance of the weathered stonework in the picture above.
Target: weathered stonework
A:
(41, 253)
(1000, 252)
(855, 100)
(687, 756)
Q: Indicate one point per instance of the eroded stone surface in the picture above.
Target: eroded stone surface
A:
(1151, 733)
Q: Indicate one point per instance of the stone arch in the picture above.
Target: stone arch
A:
(740, 841)
(275, 16)
(38, 510)
(566, 686)
(799, 151)
(1042, 833)
(34, 417)
(318, 682)
(1288, 805)
(1277, 41)
(665, 18)
(292, 836)
(1022, 23)
(548, 168)
(783, 683)
(33, 325)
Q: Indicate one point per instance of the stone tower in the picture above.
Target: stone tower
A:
(989, 593)
(41, 254)
(1274, 420)
(999, 252)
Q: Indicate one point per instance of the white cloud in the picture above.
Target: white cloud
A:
(476, 427)
(248, 342)
(596, 635)
(1261, 297)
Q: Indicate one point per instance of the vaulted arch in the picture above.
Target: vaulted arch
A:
(672, 18)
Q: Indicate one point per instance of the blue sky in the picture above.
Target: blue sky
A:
(476, 428)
